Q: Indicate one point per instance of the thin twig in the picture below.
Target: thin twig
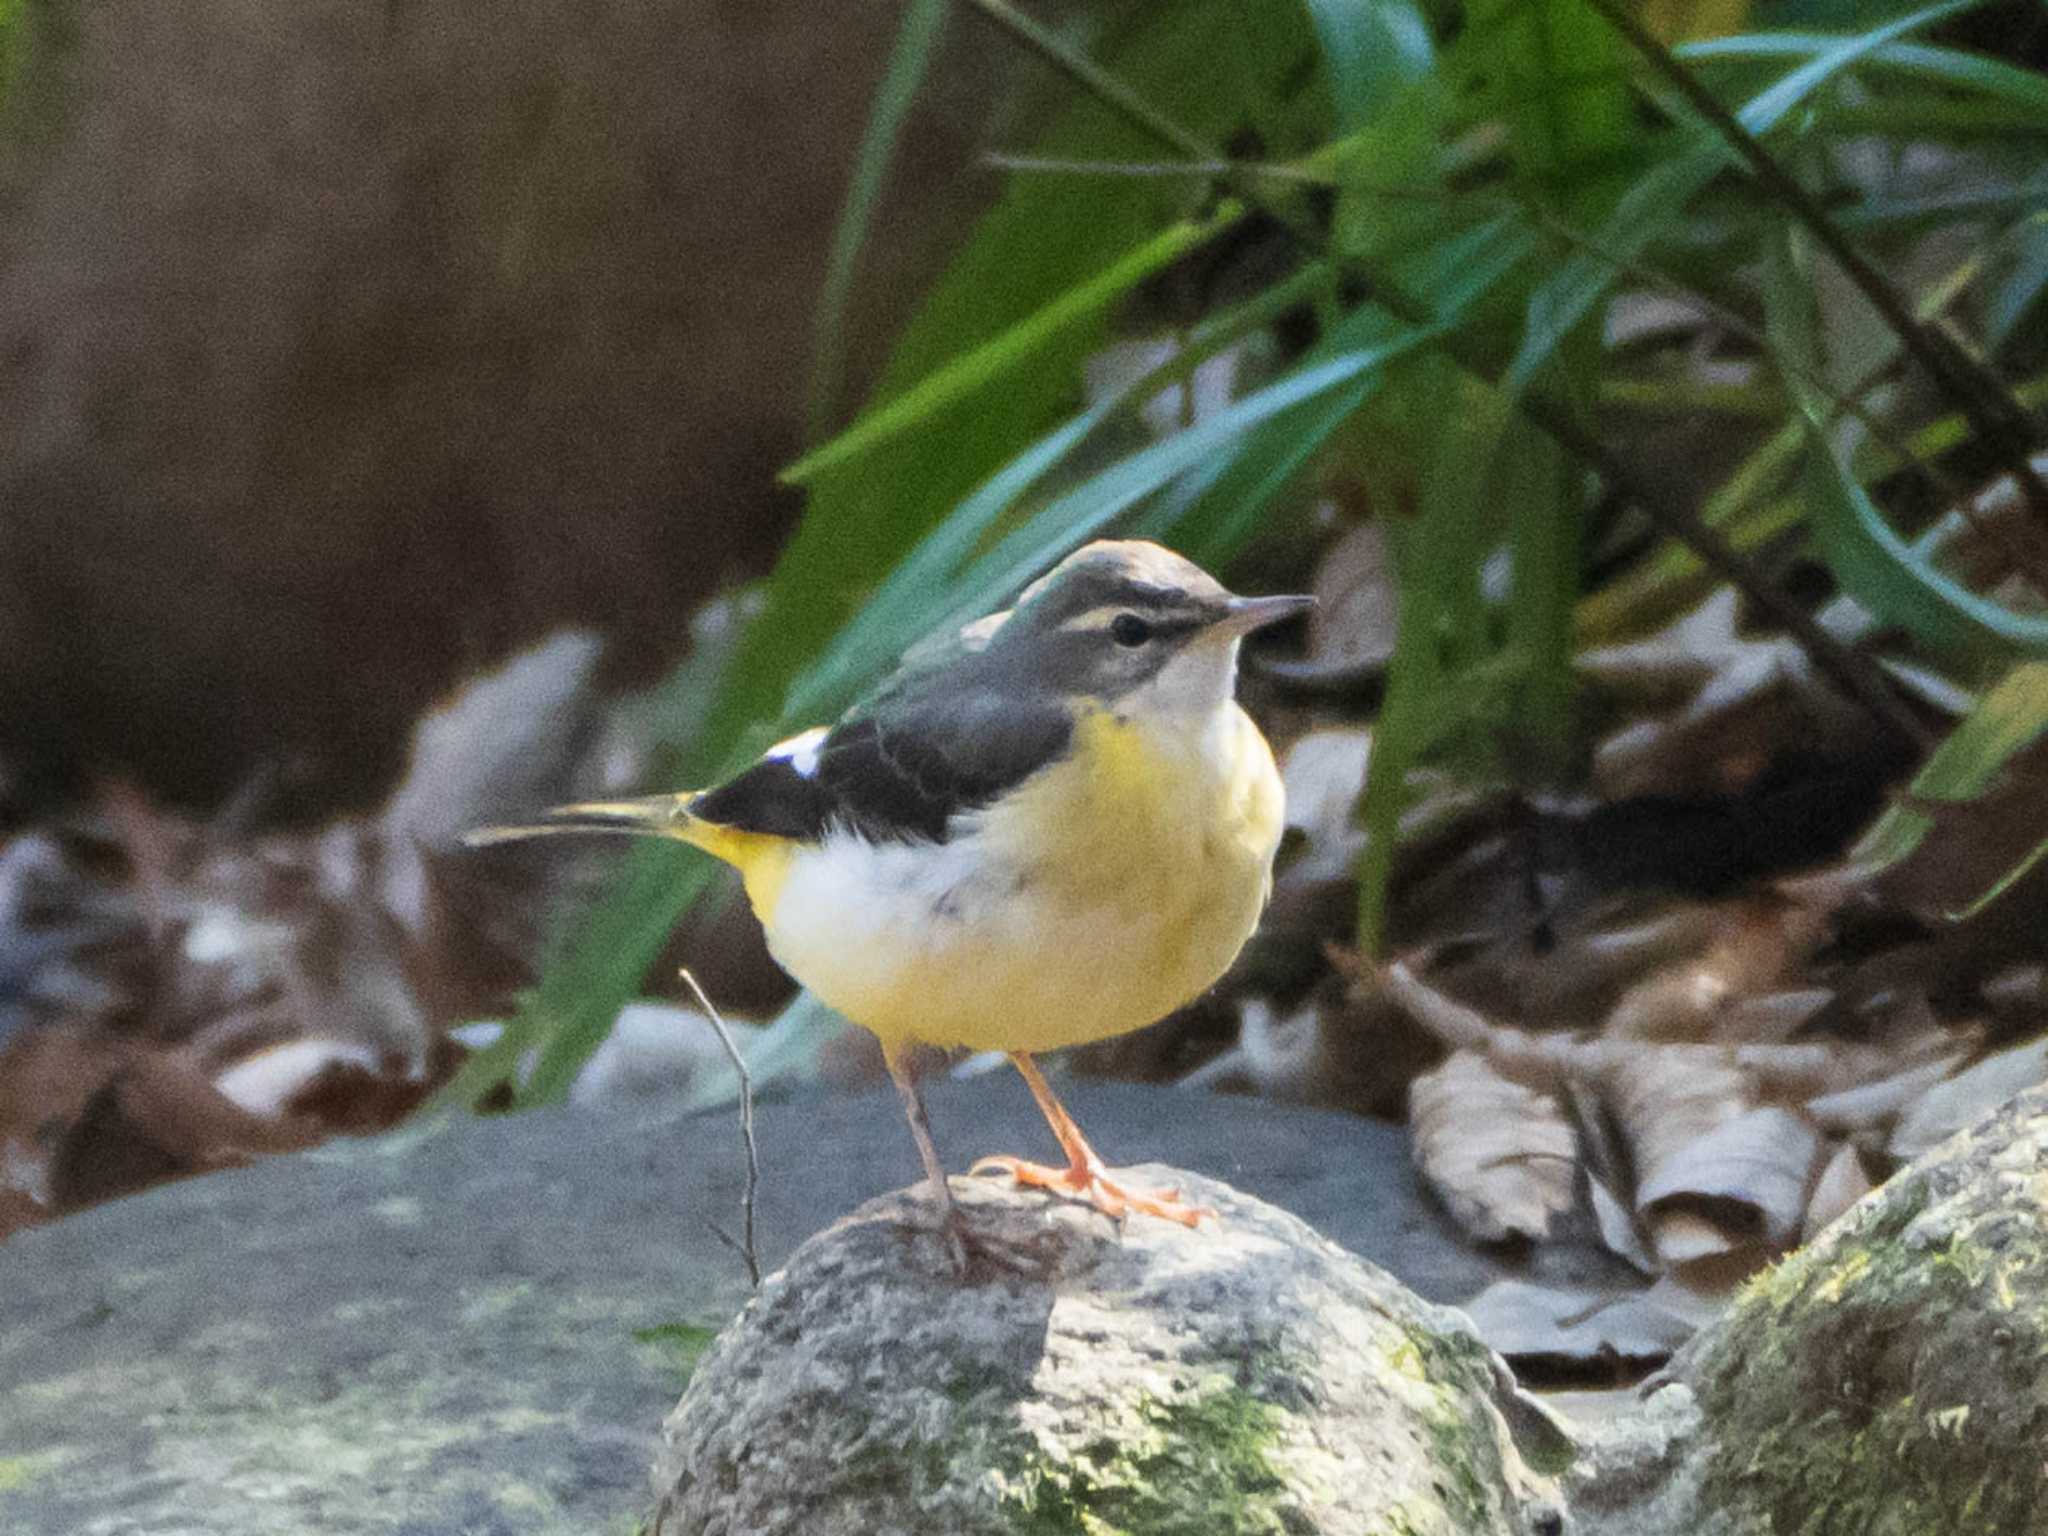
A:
(1094, 79)
(1996, 415)
(1105, 87)
(1222, 170)
(1850, 671)
(739, 1067)
(1003, 160)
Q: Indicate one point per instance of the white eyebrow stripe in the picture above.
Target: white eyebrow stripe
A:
(1096, 618)
(800, 751)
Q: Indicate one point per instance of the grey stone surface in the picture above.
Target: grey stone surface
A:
(1244, 1377)
(434, 1333)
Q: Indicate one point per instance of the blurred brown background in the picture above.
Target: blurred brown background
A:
(345, 344)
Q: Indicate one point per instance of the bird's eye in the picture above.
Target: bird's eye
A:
(1129, 629)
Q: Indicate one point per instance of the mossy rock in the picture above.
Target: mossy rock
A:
(1247, 1377)
(1889, 1379)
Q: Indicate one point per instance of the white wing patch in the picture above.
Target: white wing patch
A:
(800, 751)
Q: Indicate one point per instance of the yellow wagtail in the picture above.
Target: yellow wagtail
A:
(1060, 829)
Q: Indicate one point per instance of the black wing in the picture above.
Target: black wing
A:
(899, 773)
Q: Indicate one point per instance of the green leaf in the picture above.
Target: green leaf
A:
(2008, 720)
(1437, 566)
(2028, 863)
(1457, 272)
(1766, 110)
(683, 1343)
(1087, 509)
(1649, 208)
(1896, 582)
(916, 40)
(904, 608)
(1543, 542)
(1927, 62)
(976, 370)
(2019, 288)
(1369, 48)
(1645, 212)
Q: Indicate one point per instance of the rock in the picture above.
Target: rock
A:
(1249, 1376)
(463, 1331)
(1889, 1379)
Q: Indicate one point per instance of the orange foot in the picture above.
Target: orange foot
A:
(1090, 1181)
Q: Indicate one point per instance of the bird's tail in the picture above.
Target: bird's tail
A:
(654, 816)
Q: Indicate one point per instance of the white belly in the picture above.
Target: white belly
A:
(1091, 903)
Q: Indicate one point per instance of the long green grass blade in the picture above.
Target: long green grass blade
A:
(977, 369)
(902, 610)
(1369, 47)
(916, 40)
(1650, 207)
(2028, 863)
(1458, 272)
(2008, 719)
(1927, 62)
(1768, 108)
(1898, 583)
(1437, 568)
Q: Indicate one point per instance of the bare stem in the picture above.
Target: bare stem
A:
(739, 1067)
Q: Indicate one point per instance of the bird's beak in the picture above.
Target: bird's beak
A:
(656, 816)
(1246, 614)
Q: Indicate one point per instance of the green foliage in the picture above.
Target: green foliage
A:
(683, 1343)
(2006, 721)
(1454, 201)
(923, 23)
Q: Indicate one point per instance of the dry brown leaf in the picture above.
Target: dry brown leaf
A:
(1968, 1097)
(1683, 1237)
(1502, 1157)
(1547, 1061)
(1665, 1099)
(1690, 1301)
(1870, 1105)
(1357, 613)
(1757, 945)
(2018, 993)
(1324, 774)
(1568, 1331)
(1840, 1185)
(1618, 1227)
(1772, 1018)
(1756, 1167)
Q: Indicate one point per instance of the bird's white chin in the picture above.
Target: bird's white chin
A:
(1200, 679)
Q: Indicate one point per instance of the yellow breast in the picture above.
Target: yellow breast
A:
(1112, 887)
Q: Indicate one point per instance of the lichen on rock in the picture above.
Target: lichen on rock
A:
(1247, 1377)
(1889, 1379)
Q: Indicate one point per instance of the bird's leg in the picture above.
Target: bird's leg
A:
(1084, 1174)
(954, 1225)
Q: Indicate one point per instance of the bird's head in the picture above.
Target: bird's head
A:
(1133, 625)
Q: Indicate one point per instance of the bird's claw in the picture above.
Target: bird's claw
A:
(1090, 1182)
